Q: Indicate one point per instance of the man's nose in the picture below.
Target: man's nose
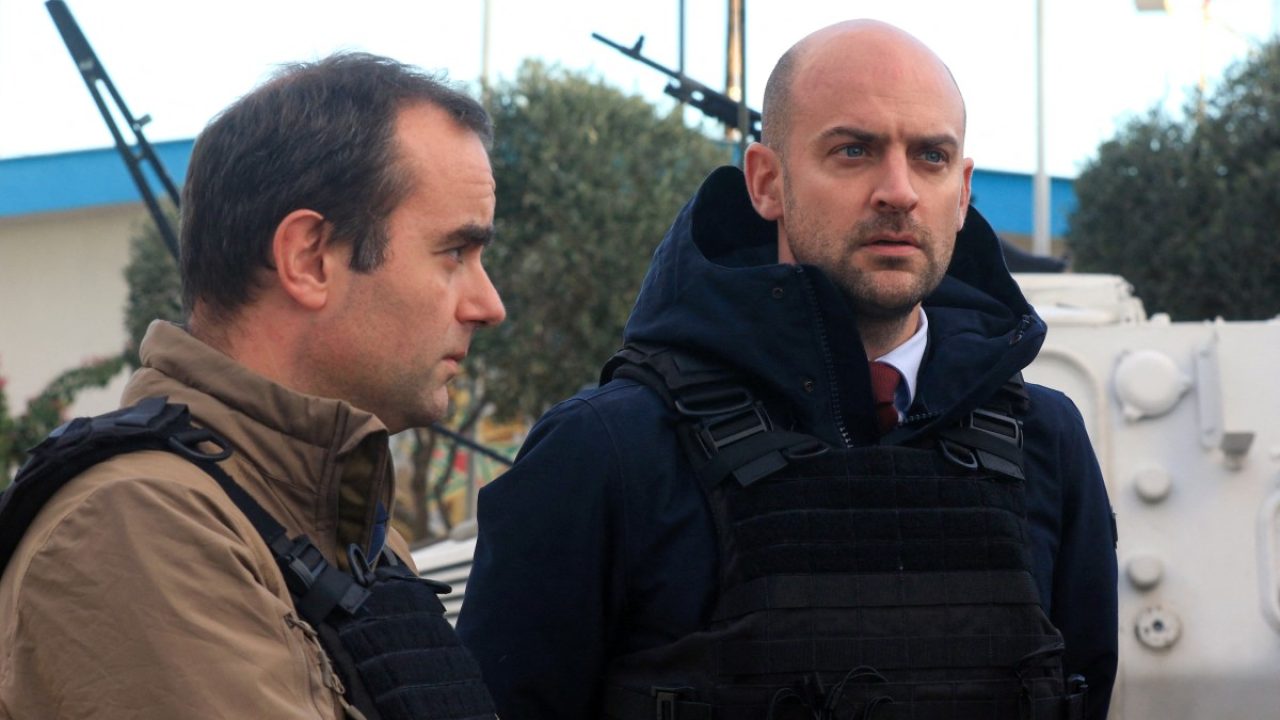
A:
(482, 304)
(895, 191)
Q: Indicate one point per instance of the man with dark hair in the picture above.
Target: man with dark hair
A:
(813, 484)
(333, 225)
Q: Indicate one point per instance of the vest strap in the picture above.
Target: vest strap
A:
(986, 439)
(727, 432)
(397, 654)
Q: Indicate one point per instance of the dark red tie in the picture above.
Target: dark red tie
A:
(884, 386)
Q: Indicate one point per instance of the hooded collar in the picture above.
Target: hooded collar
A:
(715, 289)
(303, 456)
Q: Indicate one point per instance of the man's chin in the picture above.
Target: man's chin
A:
(439, 407)
(885, 301)
(434, 409)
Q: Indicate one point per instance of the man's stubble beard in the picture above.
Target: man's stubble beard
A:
(833, 256)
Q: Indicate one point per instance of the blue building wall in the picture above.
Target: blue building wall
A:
(1005, 200)
(86, 178)
(80, 179)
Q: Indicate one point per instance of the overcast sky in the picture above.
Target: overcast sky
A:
(181, 61)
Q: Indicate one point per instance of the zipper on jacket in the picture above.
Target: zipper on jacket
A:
(328, 672)
(827, 360)
(919, 417)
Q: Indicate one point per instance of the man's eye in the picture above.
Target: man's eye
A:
(934, 156)
(455, 254)
(853, 151)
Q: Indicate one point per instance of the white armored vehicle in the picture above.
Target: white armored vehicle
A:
(1185, 420)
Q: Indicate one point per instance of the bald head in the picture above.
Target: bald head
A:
(878, 51)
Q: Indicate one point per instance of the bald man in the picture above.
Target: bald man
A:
(813, 484)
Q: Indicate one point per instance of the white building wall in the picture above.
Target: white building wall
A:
(62, 297)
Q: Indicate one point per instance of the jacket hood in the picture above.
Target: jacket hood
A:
(715, 289)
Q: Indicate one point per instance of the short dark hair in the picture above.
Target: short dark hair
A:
(319, 136)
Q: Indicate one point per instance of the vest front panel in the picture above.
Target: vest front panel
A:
(875, 582)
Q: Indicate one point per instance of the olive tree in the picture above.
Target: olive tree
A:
(588, 181)
(1188, 209)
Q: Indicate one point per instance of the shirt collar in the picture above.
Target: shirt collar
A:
(906, 359)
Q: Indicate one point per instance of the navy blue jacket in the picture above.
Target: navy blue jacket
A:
(599, 542)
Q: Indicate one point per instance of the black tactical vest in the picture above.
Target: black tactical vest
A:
(872, 583)
(383, 627)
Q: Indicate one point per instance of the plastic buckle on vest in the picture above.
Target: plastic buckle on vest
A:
(714, 401)
(666, 701)
(317, 587)
(303, 563)
(974, 455)
(716, 433)
(186, 443)
(1001, 426)
(1077, 694)
(959, 454)
(361, 568)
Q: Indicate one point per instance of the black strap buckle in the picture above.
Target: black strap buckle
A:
(186, 443)
(301, 562)
(317, 587)
(959, 454)
(1003, 426)
(987, 440)
(714, 400)
(716, 433)
(666, 701)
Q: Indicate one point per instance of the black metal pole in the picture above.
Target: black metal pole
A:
(468, 442)
(92, 72)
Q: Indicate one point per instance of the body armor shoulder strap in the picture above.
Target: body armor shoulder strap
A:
(76, 446)
(370, 620)
(155, 424)
(990, 437)
(727, 431)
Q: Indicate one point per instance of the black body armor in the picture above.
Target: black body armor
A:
(870, 583)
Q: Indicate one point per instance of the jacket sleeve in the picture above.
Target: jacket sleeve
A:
(542, 597)
(1084, 596)
(145, 600)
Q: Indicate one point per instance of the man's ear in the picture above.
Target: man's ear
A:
(763, 169)
(966, 191)
(304, 258)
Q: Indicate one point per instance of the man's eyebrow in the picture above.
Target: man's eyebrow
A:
(851, 133)
(867, 136)
(936, 140)
(481, 235)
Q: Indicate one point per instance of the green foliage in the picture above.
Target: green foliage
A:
(155, 290)
(46, 411)
(1188, 210)
(588, 181)
(6, 436)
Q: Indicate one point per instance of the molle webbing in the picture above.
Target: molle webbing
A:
(410, 660)
(884, 557)
(873, 510)
(879, 582)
